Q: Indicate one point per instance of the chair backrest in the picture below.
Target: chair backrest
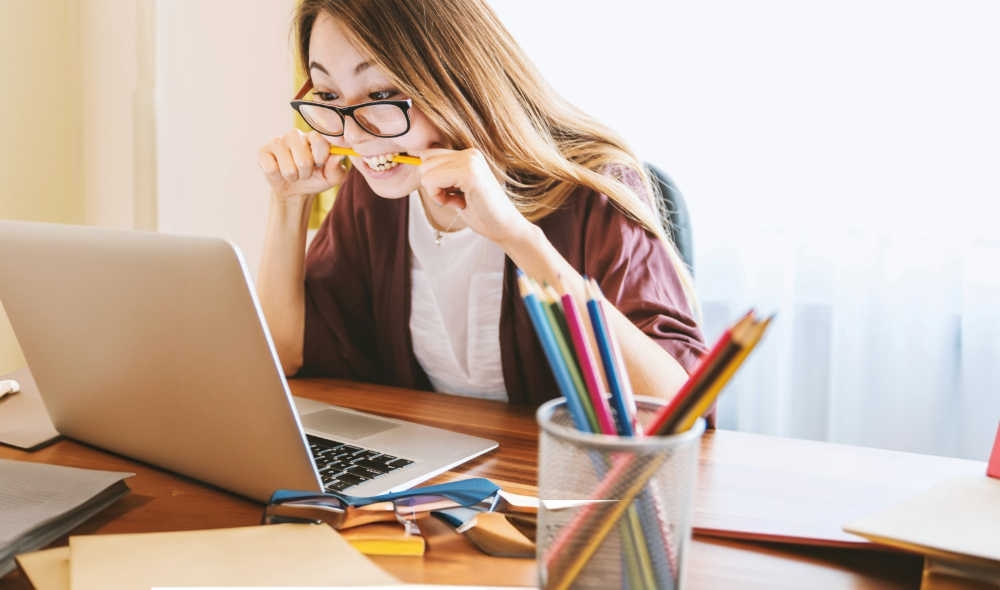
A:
(677, 221)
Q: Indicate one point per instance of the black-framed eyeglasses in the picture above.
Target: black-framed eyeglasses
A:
(384, 118)
(342, 511)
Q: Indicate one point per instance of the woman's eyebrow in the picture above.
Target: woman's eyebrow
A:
(316, 66)
(357, 69)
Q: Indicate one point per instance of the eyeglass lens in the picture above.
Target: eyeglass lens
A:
(378, 119)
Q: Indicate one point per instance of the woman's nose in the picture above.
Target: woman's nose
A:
(353, 133)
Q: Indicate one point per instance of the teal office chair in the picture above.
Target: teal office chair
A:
(678, 221)
(678, 226)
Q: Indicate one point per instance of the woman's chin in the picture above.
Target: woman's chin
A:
(389, 184)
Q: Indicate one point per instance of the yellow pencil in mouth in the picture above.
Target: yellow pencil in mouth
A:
(349, 152)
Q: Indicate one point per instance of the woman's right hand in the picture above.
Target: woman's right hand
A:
(300, 164)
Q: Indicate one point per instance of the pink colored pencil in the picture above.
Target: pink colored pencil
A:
(588, 363)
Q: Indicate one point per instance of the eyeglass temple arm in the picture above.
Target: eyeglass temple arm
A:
(305, 88)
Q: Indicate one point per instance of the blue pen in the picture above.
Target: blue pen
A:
(623, 416)
(556, 362)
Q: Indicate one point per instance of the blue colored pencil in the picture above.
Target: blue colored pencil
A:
(623, 416)
(552, 353)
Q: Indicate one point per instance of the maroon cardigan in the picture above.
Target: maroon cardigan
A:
(357, 288)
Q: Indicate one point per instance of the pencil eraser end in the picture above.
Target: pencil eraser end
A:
(993, 469)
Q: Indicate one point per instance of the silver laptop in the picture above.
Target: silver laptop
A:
(154, 346)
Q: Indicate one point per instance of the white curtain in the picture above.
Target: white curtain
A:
(841, 161)
(881, 340)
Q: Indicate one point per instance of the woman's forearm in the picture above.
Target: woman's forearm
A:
(281, 280)
(652, 370)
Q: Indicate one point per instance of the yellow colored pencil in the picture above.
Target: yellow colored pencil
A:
(753, 337)
(349, 152)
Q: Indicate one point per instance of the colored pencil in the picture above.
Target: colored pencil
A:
(628, 397)
(413, 161)
(639, 567)
(640, 542)
(753, 335)
(623, 416)
(665, 421)
(585, 354)
(656, 531)
(552, 354)
(574, 549)
(558, 322)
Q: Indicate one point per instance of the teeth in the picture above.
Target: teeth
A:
(382, 162)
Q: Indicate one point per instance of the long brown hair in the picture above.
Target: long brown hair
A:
(463, 69)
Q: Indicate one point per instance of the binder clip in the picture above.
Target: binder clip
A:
(8, 387)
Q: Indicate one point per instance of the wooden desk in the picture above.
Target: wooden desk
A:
(161, 501)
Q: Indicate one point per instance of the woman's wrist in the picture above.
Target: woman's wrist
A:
(291, 213)
(521, 240)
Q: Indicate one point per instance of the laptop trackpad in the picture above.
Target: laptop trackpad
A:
(345, 424)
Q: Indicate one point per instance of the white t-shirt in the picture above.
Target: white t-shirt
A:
(455, 308)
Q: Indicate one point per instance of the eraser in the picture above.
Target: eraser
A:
(993, 469)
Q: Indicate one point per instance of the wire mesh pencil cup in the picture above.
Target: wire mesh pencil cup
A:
(583, 479)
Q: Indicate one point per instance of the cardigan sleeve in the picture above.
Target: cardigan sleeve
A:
(339, 322)
(637, 275)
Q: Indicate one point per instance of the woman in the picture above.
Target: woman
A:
(410, 280)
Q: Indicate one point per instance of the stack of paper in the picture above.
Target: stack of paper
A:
(956, 522)
(277, 555)
(40, 503)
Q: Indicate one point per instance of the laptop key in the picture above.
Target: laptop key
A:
(400, 463)
(383, 459)
(365, 455)
(368, 464)
(353, 478)
(365, 472)
(338, 486)
(349, 449)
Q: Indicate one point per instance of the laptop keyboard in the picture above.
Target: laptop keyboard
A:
(342, 466)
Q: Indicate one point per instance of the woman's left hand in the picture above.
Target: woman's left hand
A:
(483, 204)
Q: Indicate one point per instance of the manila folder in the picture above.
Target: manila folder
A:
(273, 555)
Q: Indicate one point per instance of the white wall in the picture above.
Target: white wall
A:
(116, 104)
(39, 125)
(224, 79)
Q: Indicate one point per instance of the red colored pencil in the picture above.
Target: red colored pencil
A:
(709, 364)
